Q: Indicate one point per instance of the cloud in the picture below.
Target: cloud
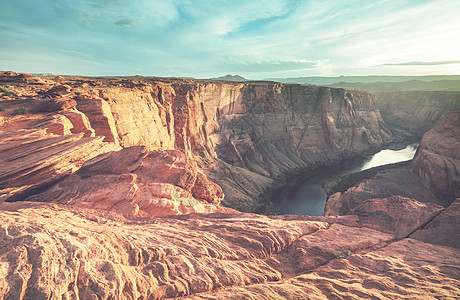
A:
(273, 66)
(73, 53)
(262, 38)
(83, 16)
(125, 22)
(421, 63)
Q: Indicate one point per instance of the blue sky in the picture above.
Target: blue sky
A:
(207, 38)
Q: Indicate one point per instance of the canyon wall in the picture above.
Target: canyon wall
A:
(416, 111)
(414, 194)
(437, 161)
(243, 136)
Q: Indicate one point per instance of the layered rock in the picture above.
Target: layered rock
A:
(243, 135)
(443, 229)
(417, 111)
(67, 151)
(402, 200)
(135, 181)
(31, 159)
(405, 269)
(387, 183)
(255, 131)
(437, 161)
(53, 251)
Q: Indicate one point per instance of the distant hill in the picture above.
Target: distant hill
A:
(318, 80)
(42, 74)
(412, 85)
(383, 83)
(230, 77)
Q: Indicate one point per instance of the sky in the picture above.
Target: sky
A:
(209, 38)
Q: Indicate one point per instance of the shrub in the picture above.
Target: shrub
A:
(7, 92)
(2, 108)
(20, 111)
(343, 254)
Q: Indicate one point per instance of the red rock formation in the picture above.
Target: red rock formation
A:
(256, 131)
(56, 251)
(13, 77)
(100, 117)
(401, 182)
(406, 269)
(437, 161)
(32, 159)
(443, 229)
(416, 111)
(135, 181)
(242, 135)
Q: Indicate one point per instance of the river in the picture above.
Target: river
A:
(304, 194)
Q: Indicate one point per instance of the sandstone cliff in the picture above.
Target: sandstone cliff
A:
(242, 135)
(246, 134)
(401, 200)
(416, 111)
(437, 161)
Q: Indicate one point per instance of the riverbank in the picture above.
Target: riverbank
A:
(306, 193)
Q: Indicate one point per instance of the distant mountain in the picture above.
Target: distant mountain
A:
(230, 77)
(42, 74)
(362, 79)
(411, 85)
(375, 84)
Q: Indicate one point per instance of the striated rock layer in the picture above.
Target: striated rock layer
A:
(242, 135)
(57, 252)
(135, 181)
(417, 111)
(437, 161)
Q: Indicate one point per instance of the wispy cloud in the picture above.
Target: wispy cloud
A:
(273, 66)
(421, 63)
(125, 22)
(263, 38)
(73, 53)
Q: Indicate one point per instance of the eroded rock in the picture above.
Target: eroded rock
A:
(437, 161)
(135, 181)
(443, 229)
(57, 251)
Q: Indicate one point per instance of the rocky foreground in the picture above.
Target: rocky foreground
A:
(56, 252)
(110, 188)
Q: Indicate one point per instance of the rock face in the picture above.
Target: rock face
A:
(416, 111)
(405, 269)
(442, 230)
(55, 252)
(135, 181)
(387, 183)
(31, 159)
(243, 135)
(437, 161)
(253, 132)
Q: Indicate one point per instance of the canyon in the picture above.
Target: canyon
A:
(147, 188)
